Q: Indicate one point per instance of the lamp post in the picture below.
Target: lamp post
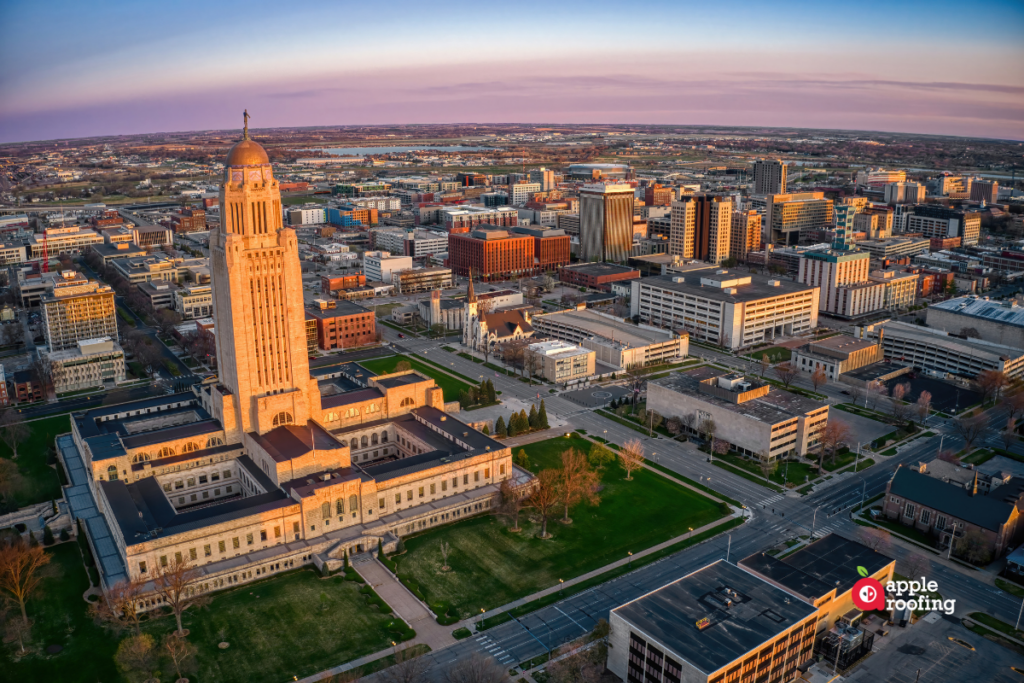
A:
(629, 562)
(561, 583)
(689, 533)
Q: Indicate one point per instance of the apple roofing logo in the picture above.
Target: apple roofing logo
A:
(868, 593)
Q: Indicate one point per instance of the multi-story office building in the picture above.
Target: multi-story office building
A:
(719, 624)
(606, 222)
(769, 176)
(543, 177)
(746, 234)
(89, 363)
(304, 216)
(874, 221)
(904, 193)
(194, 301)
(999, 322)
(491, 253)
(147, 268)
(732, 309)
(985, 191)
(467, 217)
(560, 362)
(899, 288)
(836, 355)
(880, 177)
(379, 203)
(422, 280)
(939, 221)
(701, 228)
(414, 243)
(951, 186)
(895, 247)
(656, 195)
(159, 294)
(842, 277)
(342, 324)
(64, 240)
(569, 223)
(380, 266)
(936, 352)
(550, 248)
(791, 214)
(521, 192)
(753, 417)
(617, 343)
(77, 310)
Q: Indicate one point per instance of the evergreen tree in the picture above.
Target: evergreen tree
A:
(532, 420)
(486, 430)
(524, 421)
(522, 459)
(542, 416)
(513, 425)
(463, 398)
(500, 430)
(64, 535)
(380, 551)
(492, 396)
(32, 540)
(344, 562)
(47, 535)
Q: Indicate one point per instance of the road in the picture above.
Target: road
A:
(774, 517)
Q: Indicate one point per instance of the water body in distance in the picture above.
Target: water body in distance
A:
(399, 150)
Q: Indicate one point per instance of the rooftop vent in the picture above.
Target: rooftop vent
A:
(678, 279)
(774, 283)
(443, 418)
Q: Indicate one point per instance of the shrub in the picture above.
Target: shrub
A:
(64, 535)
(48, 535)
(461, 633)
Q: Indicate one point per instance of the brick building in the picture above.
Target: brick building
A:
(189, 220)
(342, 324)
(596, 275)
(550, 246)
(329, 285)
(491, 253)
(462, 219)
(27, 386)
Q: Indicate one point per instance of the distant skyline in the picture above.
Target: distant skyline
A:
(72, 69)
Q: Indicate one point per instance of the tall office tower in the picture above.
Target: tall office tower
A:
(985, 191)
(77, 310)
(904, 193)
(258, 309)
(545, 177)
(769, 176)
(519, 193)
(843, 218)
(606, 222)
(701, 228)
(786, 215)
(746, 234)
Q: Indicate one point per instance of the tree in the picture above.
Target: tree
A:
(136, 653)
(874, 391)
(674, 425)
(899, 408)
(500, 430)
(818, 377)
(532, 362)
(13, 431)
(578, 664)
(403, 366)
(178, 585)
(765, 363)
(991, 384)
(600, 456)
(522, 459)
(1008, 435)
(524, 421)
(446, 549)
(876, 539)
(545, 498)
(785, 372)
(974, 547)
(923, 406)
(542, 416)
(632, 457)
(914, 565)
(578, 484)
(707, 427)
(512, 501)
(948, 456)
(532, 419)
(969, 332)
(970, 428)
(437, 329)
(477, 668)
(15, 630)
(768, 467)
(492, 395)
(635, 380)
(832, 438)
(513, 425)
(689, 421)
(48, 539)
(181, 653)
(19, 571)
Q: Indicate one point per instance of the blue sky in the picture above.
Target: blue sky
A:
(71, 69)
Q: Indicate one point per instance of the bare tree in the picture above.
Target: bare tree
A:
(579, 483)
(13, 430)
(765, 363)
(531, 363)
(409, 667)
(15, 630)
(819, 377)
(900, 409)
(768, 467)
(875, 538)
(545, 498)
(181, 653)
(914, 565)
(970, 428)
(707, 427)
(875, 390)
(974, 547)
(674, 425)
(178, 585)
(119, 607)
(20, 563)
(832, 437)
(924, 405)
(137, 653)
(1014, 404)
(632, 456)
(1008, 435)
(477, 668)
(785, 372)
(635, 380)
(856, 393)
(690, 421)
(513, 500)
(991, 384)
(445, 550)
(578, 664)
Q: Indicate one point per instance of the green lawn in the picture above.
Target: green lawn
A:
(996, 624)
(776, 354)
(491, 566)
(1010, 587)
(908, 531)
(35, 481)
(794, 473)
(841, 460)
(746, 473)
(448, 384)
(277, 629)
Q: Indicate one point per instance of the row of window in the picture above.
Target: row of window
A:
(236, 544)
(191, 481)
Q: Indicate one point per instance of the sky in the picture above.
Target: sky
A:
(107, 67)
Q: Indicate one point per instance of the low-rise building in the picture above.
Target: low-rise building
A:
(717, 624)
(894, 247)
(27, 387)
(560, 362)
(999, 322)
(152, 235)
(836, 355)
(195, 301)
(422, 280)
(342, 324)
(332, 283)
(64, 240)
(596, 275)
(159, 294)
(467, 217)
(726, 307)
(147, 268)
(984, 524)
(109, 251)
(307, 216)
(750, 415)
(380, 266)
(91, 363)
(939, 353)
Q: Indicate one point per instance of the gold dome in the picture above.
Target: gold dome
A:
(247, 153)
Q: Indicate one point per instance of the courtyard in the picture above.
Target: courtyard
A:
(491, 566)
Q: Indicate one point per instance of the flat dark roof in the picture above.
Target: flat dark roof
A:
(342, 307)
(402, 380)
(598, 269)
(833, 560)
(758, 612)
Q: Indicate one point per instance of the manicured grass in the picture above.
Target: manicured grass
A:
(776, 354)
(449, 370)
(449, 385)
(797, 471)
(1010, 587)
(691, 482)
(746, 473)
(35, 481)
(979, 457)
(841, 461)
(125, 316)
(908, 531)
(284, 632)
(860, 466)
(492, 566)
(996, 624)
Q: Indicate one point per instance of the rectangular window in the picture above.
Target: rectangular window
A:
(476, 476)
(221, 546)
(263, 535)
(926, 516)
(228, 489)
(191, 481)
(421, 492)
(433, 489)
(502, 471)
(248, 539)
(178, 558)
(295, 527)
(207, 550)
(408, 494)
(215, 477)
(202, 478)
(487, 473)
(398, 499)
(192, 498)
(465, 480)
(227, 474)
(277, 532)
(163, 560)
(940, 522)
(444, 484)
(455, 482)
(192, 553)
(167, 487)
(908, 510)
(235, 544)
(380, 503)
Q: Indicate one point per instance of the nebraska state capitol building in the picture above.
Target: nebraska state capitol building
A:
(259, 472)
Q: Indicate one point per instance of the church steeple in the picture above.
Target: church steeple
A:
(470, 295)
